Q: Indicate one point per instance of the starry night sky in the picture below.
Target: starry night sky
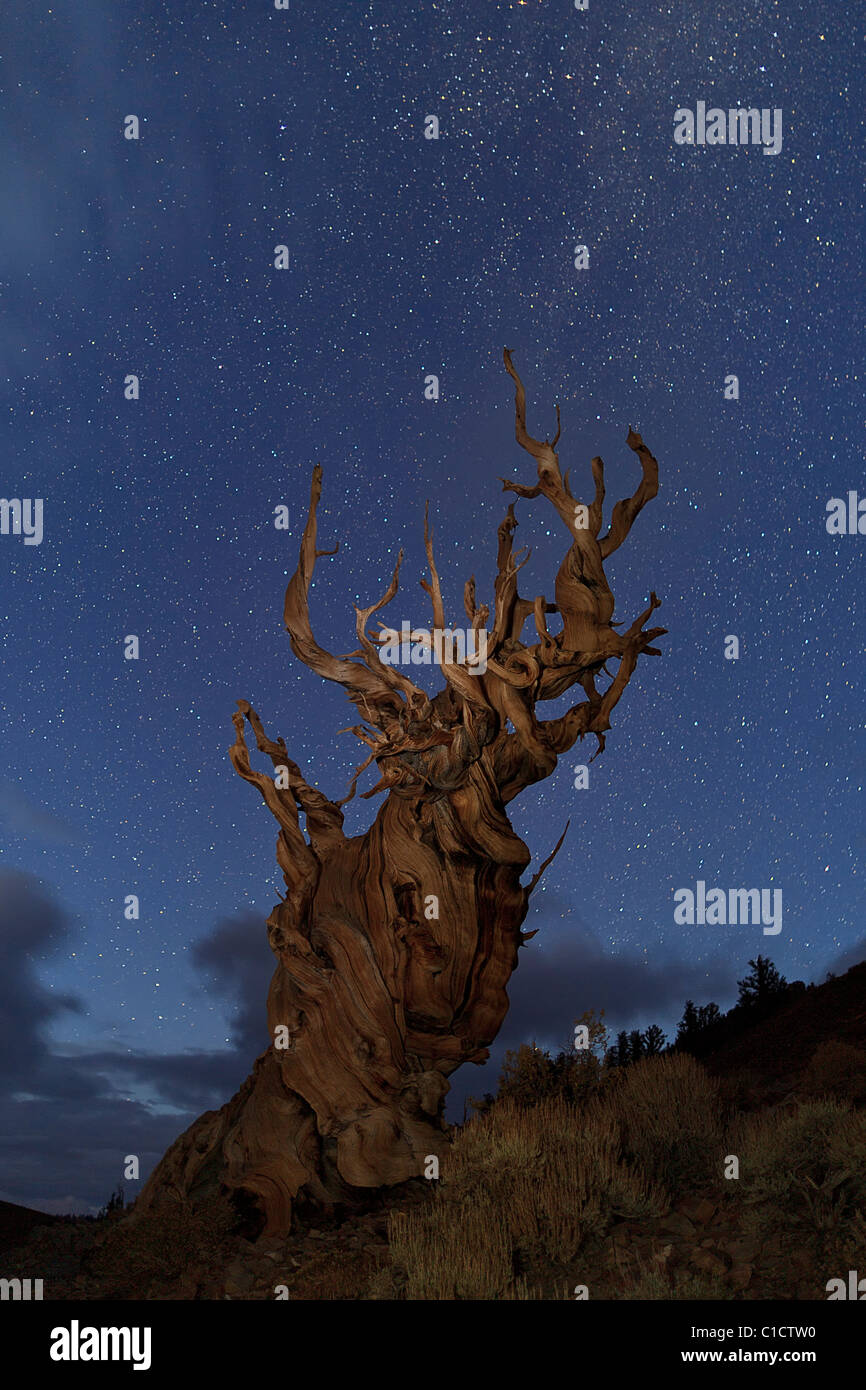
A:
(408, 257)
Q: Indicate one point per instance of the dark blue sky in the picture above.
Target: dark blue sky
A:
(408, 257)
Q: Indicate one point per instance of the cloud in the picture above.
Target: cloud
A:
(66, 1119)
(51, 1148)
(236, 958)
(31, 924)
(854, 955)
(57, 1206)
(28, 820)
(555, 983)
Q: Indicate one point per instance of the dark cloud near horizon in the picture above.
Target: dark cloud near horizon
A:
(68, 1120)
(31, 925)
(231, 956)
(554, 984)
(854, 955)
(24, 818)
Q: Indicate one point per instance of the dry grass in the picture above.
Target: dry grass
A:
(451, 1254)
(803, 1174)
(670, 1117)
(836, 1069)
(683, 1285)
(522, 1189)
(342, 1275)
(137, 1260)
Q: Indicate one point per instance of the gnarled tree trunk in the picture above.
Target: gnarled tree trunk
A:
(394, 948)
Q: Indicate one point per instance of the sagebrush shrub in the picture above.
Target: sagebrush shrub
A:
(803, 1172)
(669, 1113)
(836, 1069)
(518, 1184)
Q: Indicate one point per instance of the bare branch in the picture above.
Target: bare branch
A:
(434, 588)
(324, 820)
(595, 510)
(625, 511)
(550, 481)
(392, 678)
(555, 439)
(541, 450)
(358, 679)
(549, 860)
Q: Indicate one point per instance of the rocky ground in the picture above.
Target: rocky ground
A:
(696, 1250)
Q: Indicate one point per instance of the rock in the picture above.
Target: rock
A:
(678, 1224)
(186, 1288)
(697, 1209)
(742, 1251)
(709, 1263)
(238, 1279)
(269, 1245)
(740, 1276)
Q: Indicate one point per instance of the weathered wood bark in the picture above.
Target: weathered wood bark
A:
(394, 948)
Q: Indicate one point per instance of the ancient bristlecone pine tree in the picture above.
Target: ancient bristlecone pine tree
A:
(378, 998)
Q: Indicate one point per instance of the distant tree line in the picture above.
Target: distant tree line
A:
(761, 991)
(530, 1073)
